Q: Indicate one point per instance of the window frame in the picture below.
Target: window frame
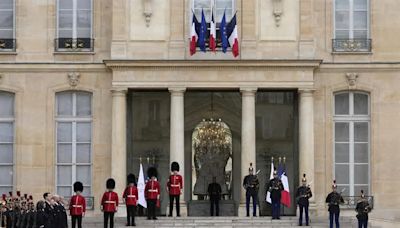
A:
(13, 30)
(351, 20)
(352, 119)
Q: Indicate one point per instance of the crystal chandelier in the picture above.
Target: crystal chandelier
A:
(213, 133)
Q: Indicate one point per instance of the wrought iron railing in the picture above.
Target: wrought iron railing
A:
(74, 45)
(7, 44)
(350, 202)
(89, 202)
(351, 45)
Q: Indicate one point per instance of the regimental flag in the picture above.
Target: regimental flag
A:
(202, 33)
(280, 170)
(213, 33)
(285, 197)
(271, 176)
(141, 186)
(194, 35)
(233, 36)
(224, 34)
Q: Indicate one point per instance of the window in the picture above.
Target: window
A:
(7, 22)
(6, 141)
(351, 25)
(74, 25)
(74, 141)
(352, 142)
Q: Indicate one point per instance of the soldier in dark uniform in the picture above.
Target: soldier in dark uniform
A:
(30, 222)
(251, 184)
(362, 209)
(302, 195)
(275, 187)
(41, 215)
(174, 188)
(214, 192)
(334, 199)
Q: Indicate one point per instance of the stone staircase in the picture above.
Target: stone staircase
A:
(220, 222)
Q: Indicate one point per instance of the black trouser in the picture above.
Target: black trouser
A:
(214, 201)
(171, 204)
(109, 215)
(151, 208)
(130, 214)
(335, 215)
(305, 208)
(253, 195)
(363, 223)
(76, 218)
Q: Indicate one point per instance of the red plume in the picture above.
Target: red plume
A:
(30, 197)
(26, 196)
(4, 197)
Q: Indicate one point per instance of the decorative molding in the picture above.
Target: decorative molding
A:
(73, 78)
(352, 80)
(277, 11)
(147, 11)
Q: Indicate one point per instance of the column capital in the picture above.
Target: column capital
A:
(116, 92)
(177, 90)
(248, 91)
(306, 91)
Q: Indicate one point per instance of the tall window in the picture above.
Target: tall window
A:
(6, 141)
(352, 142)
(7, 42)
(218, 6)
(74, 141)
(352, 23)
(74, 25)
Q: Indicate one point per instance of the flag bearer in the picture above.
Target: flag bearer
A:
(275, 187)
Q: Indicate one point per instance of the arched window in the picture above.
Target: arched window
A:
(73, 141)
(352, 121)
(6, 141)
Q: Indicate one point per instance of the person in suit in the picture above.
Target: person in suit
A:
(214, 192)
(109, 203)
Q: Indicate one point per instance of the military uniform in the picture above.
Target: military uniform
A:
(109, 203)
(334, 199)
(214, 192)
(251, 184)
(131, 196)
(152, 193)
(275, 187)
(362, 209)
(77, 205)
(303, 194)
(174, 186)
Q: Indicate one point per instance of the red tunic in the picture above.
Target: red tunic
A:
(77, 205)
(130, 195)
(109, 202)
(152, 189)
(175, 184)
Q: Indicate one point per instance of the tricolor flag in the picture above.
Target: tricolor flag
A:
(203, 32)
(271, 176)
(233, 36)
(224, 35)
(194, 35)
(213, 33)
(141, 186)
(285, 199)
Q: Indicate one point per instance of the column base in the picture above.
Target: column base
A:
(182, 209)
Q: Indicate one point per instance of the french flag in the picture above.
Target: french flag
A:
(233, 37)
(194, 35)
(285, 197)
(213, 33)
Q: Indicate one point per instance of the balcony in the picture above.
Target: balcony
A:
(351, 45)
(74, 45)
(7, 45)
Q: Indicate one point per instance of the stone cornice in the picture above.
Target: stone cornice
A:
(359, 67)
(53, 67)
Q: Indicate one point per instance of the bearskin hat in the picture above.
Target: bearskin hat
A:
(152, 172)
(131, 179)
(78, 186)
(110, 184)
(174, 166)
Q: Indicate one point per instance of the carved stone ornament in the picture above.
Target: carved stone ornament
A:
(277, 11)
(73, 79)
(147, 11)
(352, 79)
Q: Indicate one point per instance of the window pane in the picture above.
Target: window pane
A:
(342, 4)
(64, 104)
(65, 33)
(7, 34)
(6, 173)
(6, 104)
(87, 191)
(64, 191)
(84, 33)
(341, 152)
(83, 153)
(83, 104)
(65, 19)
(223, 4)
(64, 153)
(64, 175)
(360, 34)
(6, 153)
(199, 4)
(341, 132)
(357, 190)
(84, 4)
(64, 132)
(360, 4)
(6, 4)
(83, 132)
(361, 152)
(342, 34)
(65, 4)
(361, 132)
(360, 104)
(342, 104)
(344, 189)
(360, 174)
(84, 19)
(5, 189)
(6, 132)
(6, 19)
(83, 174)
(342, 174)
(360, 20)
(342, 20)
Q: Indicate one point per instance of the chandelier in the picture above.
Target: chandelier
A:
(213, 133)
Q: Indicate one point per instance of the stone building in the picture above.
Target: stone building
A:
(89, 88)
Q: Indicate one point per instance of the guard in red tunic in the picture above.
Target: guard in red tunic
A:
(109, 203)
(77, 205)
(152, 193)
(131, 196)
(174, 188)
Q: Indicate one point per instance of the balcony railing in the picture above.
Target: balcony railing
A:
(7, 45)
(350, 202)
(351, 45)
(74, 45)
(89, 202)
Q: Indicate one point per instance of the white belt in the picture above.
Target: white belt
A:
(151, 190)
(110, 202)
(175, 185)
(77, 206)
(131, 196)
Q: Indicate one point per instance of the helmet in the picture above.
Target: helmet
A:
(251, 169)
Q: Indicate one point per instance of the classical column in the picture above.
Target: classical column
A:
(177, 150)
(118, 146)
(306, 135)
(248, 153)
